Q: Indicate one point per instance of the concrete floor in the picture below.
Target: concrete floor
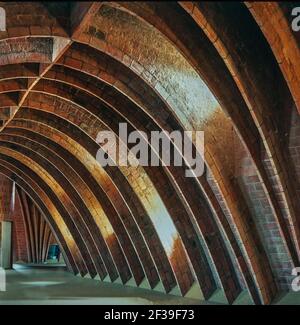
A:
(54, 285)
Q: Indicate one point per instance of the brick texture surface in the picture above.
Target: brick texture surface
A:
(70, 70)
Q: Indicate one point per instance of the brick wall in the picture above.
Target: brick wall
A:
(227, 214)
(6, 186)
(263, 215)
(20, 245)
(294, 146)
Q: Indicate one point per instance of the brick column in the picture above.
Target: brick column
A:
(6, 208)
(7, 198)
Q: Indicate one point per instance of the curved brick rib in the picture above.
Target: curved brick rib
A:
(126, 109)
(69, 76)
(257, 101)
(90, 130)
(275, 25)
(111, 206)
(61, 179)
(182, 264)
(37, 231)
(71, 79)
(35, 19)
(241, 214)
(103, 55)
(174, 203)
(130, 198)
(72, 177)
(80, 250)
(21, 70)
(41, 200)
(221, 270)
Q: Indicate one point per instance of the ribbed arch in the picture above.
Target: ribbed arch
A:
(38, 195)
(182, 185)
(71, 70)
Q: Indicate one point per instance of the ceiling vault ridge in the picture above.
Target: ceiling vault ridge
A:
(73, 72)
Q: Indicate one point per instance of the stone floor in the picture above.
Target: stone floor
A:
(54, 285)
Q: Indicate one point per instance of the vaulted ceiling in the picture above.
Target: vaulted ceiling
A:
(71, 69)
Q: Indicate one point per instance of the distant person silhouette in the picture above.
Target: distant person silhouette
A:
(57, 253)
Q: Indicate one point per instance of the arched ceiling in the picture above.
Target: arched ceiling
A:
(72, 69)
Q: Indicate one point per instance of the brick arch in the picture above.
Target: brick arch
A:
(46, 131)
(33, 134)
(181, 36)
(259, 104)
(35, 19)
(277, 30)
(255, 155)
(33, 232)
(18, 176)
(61, 167)
(88, 264)
(182, 184)
(42, 83)
(152, 235)
(234, 209)
(40, 141)
(69, 62)
(72, 80)
(79, 251)
(26, 49)
(59, 178)
(83, 140)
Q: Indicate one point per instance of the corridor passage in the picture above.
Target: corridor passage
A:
(41, 284)
(151, 144)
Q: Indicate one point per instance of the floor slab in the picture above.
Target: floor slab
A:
(52, 284)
